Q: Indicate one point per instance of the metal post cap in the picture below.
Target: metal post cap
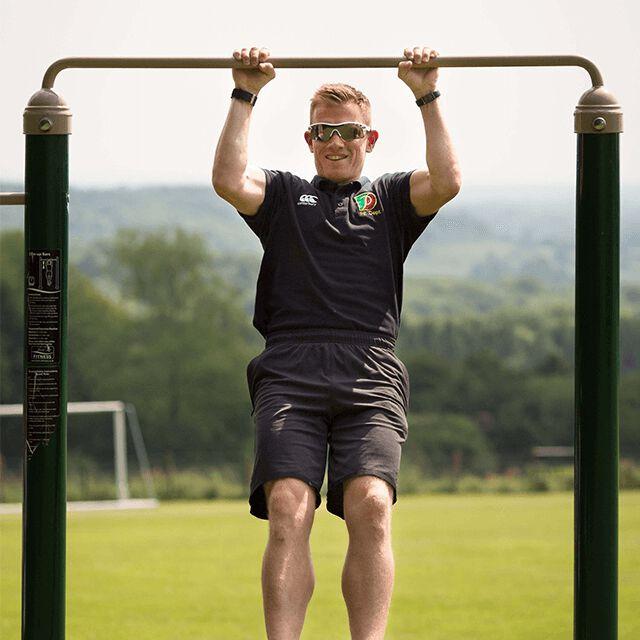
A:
(47, 113)
(598, 111)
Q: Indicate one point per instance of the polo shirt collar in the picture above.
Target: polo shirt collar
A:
(324, 184)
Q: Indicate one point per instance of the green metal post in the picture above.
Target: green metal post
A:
(45, 368)
(596, 367)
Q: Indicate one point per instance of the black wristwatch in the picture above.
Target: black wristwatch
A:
(430, 97)
(241, 94)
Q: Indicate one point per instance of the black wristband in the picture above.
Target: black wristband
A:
(241, 94)
(430, 97)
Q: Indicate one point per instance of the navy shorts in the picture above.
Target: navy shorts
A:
(341, 393)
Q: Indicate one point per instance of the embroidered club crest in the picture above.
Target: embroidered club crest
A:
(367, 202)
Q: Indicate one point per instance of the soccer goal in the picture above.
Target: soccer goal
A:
(123, 416)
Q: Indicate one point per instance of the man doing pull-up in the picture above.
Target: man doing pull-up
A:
(328, 304)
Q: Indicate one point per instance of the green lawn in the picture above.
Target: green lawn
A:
(467, 567)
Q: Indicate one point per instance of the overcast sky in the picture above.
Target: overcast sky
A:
(509, 126)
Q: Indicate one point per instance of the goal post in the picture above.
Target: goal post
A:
(123, 415)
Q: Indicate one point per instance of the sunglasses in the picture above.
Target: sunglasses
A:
(346, 130)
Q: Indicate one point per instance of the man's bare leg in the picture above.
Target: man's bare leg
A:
(367, 577)
(287, 570)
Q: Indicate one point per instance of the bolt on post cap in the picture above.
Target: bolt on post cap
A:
(47, 113)
(598, 111)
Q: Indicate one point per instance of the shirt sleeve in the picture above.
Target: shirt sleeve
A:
(411, 225)
(260, 223)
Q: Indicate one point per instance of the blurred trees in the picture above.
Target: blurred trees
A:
(188, 346)
(170, 338)
(162, 328)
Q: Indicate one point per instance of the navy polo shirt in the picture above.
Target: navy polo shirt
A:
(333, 254)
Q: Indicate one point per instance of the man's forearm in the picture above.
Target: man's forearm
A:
(231, 157)
(444, 170)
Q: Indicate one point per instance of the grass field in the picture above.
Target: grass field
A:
(467, 568)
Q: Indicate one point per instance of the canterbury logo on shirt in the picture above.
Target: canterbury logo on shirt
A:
(308, 199)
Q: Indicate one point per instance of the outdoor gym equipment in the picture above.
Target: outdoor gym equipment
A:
(47, 125)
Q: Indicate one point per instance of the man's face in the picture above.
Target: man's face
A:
(336, 159)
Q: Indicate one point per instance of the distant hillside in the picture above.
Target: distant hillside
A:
(487, 234)
(447, 297)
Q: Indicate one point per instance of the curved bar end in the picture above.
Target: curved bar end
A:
(591, 69)
(53, 70)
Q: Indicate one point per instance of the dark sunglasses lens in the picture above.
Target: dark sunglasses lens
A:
(347, 131)
(351, 131)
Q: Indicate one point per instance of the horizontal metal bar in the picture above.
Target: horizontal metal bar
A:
(552, 452)
(319, 63)
(12, 198)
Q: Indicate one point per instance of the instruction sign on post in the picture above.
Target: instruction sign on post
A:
(43, 327)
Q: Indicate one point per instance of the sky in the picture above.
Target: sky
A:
(509, 126)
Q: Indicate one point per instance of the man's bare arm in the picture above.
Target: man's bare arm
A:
(241, 185)
(433, 187)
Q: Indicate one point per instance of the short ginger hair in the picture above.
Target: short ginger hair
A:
(341, 93)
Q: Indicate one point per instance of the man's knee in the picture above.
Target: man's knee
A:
(367, 504)
(291, 504)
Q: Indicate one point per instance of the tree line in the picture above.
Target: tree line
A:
(163, 329)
